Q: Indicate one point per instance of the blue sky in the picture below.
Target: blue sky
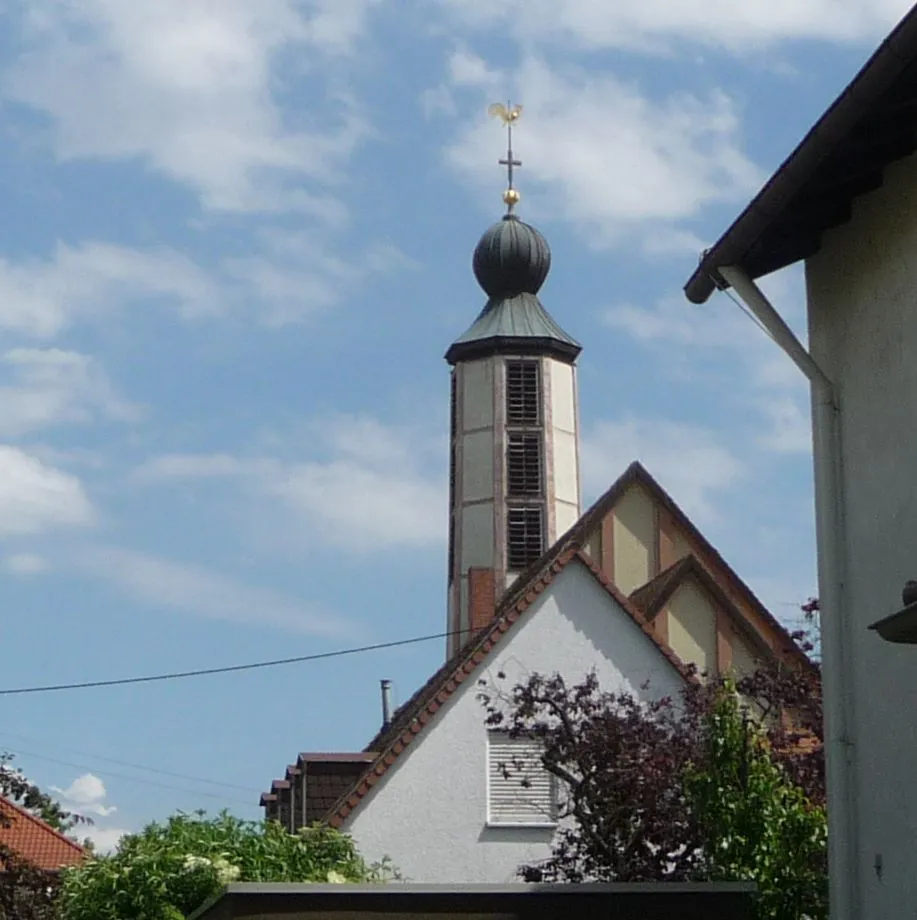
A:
(236, 244)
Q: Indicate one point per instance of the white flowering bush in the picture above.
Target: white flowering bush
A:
(169, 870)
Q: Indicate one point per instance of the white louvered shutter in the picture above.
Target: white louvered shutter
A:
(509, 801)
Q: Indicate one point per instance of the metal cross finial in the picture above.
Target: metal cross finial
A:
(508, 114)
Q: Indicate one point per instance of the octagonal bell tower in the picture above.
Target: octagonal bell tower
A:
(514, 482)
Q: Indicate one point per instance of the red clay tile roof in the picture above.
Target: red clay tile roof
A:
(324, 756)
(409, 721)
(36, 841)
(328, 776)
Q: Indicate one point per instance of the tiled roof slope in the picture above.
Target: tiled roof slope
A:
(35, 841)
(410, 720)
(327, 777)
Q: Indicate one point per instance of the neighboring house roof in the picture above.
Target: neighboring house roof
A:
(327, 777)
(709, 558)
(651, 597)
(411, 719)
(34, 840)
(655, 594)
(870, 125)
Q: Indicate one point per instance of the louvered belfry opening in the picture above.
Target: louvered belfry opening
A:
(525, 536)
(523, 391)
(523, 464)
(525, 491)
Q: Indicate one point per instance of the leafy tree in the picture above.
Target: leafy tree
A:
(14, 785)
(26, 892)
(725, 782)
(168, 870)
(757, 824)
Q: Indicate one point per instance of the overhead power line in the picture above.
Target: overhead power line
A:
(229, 669)
(210, 781)
(132, 779)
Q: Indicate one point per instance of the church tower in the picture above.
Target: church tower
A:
(514, 483)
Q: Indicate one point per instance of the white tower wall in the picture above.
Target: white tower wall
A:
(508, 462)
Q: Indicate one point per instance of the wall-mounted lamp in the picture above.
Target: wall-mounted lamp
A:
(901, 627)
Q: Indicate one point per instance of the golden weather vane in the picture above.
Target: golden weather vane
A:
(508, 114)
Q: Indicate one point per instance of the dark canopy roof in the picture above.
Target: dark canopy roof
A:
(870, 125)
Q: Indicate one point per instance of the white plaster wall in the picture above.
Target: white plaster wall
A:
(428, 813)
(566, 472)
(692, 627)
(566, 515)
(634, 539)
(478, 465)
(563, 395)
(744, 659)
(863, 331)
(478, 395)
(477, 522)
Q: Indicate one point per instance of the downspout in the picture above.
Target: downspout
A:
(836, 633)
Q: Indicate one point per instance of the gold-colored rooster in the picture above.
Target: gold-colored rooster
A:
(506, 114)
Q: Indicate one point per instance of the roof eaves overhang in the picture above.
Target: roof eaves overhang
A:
(870, 125)
(529, 346)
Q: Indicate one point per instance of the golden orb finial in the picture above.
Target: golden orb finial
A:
(508, 114)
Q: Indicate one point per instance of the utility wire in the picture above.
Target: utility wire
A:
(126, 763)
(202, 672)
(748, 313)
(133, 779)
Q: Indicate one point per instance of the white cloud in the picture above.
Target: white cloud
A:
(468, 69)
(171, 585)
(790, 430)
(286, 278)
(86, 795)
(36, 497)
(691, 462)
(720, 340)
(105, 839)
(294, 275)
(42, 297)
(189, 88)
(25, 564)
(50, 386)
(666, 24)
(366, 487)
(194, 466)
(599, 153)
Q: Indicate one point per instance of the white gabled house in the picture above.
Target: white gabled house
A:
(481, 825)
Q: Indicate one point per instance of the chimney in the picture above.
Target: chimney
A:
(481, 600)
(386, 703)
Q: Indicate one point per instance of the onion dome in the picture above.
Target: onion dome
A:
(511, 258)
(511, 262)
